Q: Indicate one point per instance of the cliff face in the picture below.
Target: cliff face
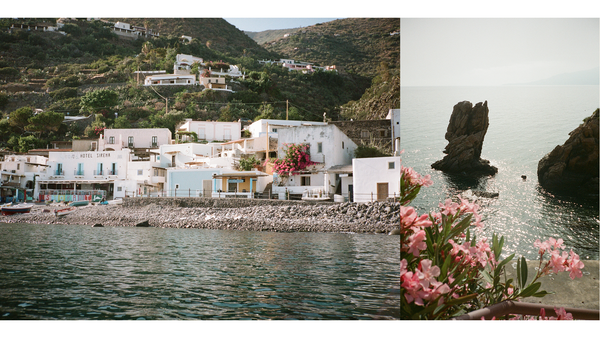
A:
(466, 131)
(573, 167)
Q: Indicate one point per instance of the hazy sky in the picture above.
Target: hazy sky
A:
(443, 52)
(263, 24)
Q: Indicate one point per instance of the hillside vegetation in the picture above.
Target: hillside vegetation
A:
(88, 69)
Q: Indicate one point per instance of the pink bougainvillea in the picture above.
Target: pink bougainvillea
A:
(297, 159)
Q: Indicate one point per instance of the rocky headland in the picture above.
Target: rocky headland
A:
(572, 168)
(466, 131)
(226, 214)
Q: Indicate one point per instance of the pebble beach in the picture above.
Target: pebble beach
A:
(225, 214)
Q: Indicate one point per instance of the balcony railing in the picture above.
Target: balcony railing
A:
(78, 172)
(59, 173)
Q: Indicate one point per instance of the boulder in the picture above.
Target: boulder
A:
(143, 224)
(97, 225)
(466, 131)
(572, 168)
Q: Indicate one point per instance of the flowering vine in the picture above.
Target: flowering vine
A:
(297, 158)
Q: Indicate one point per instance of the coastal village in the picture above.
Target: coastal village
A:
(209, 158)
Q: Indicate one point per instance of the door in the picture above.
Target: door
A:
(382, 191)
(351, 192)
(207, 188)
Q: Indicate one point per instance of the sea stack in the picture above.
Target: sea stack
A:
(466, 130)
(572, 168)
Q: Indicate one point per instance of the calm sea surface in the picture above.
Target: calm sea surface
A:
(526, 122)
(79, 272)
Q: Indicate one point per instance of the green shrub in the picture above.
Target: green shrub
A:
(64, 93)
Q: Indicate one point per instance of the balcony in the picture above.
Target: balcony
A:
(59, 173)
(78, 172)
(158, 179)
(111, 172)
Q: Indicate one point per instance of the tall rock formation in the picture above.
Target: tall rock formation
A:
(573, 167)
(466, 130)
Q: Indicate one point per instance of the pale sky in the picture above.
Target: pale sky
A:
(475, 52)
(263, 24)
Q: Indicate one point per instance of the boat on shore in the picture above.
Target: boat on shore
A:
(12, 209)
(79, 203)
(64, 211)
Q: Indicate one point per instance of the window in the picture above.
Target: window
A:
(100, 168)
(113, 169)
(140, 172)
(342, 144)
(391, 165)
(18, 166)
(274, 130)
(119, 188)
(111, 140)
(176, 186)
(364, 134)
(80, 169)
(304, 180)
(130, 141)
(154, 141)
(319, 147)
(201, 134)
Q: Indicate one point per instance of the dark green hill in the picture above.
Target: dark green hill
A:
(270, 35)
(215, 33)
(355, 45)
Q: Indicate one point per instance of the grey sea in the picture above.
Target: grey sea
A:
(69, 272)
(526, 122)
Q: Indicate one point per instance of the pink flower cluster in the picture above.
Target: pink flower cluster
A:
(414, 178)
(297, 158)
(559, 261)
(478, 255)
(422, 284)
(561, 313)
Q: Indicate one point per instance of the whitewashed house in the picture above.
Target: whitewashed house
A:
(170, 80)
(184, 62)
(329, 146)
(117, 139)
(261, 127)
(209, 130)
(20, 172)
(375, 178)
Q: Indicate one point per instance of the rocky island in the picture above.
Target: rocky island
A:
(466, 131)
(572, 168)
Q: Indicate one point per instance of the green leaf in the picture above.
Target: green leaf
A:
(530, 290)
(503, 263)
(523, 272)
(462, 299)
(487, 276)
(541, 293)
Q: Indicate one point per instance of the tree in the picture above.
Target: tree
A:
(96, 100)
(122, 122)
(27, 143)
(45, 122)
(266, 112)
(20, 117)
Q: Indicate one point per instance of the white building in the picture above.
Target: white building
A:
(20, 172)
(211, 130)
(260, 127)
(328, 146)
(170, 80)
(184, 62)
(376, 178)
(117, 139)
(88, 175)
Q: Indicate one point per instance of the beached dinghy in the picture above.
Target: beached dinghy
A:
(65, 211)
(22, 208)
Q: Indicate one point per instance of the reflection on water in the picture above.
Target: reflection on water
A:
(70, 272)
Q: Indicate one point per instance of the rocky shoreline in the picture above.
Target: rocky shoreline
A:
(249, 215)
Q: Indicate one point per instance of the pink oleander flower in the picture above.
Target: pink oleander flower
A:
(449, 208)
(414, 178)
(409, 219)
(410, 282)
(562, 314)
(416, 242)
(426, 273)
(574, 266)
(403, 266)
(558, 261)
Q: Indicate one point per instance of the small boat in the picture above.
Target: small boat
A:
(22, 208)
(65, 211)
(79, 203)
(117, 201)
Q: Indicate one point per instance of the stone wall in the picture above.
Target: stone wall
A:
(379, 131)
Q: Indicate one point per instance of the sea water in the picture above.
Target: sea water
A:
(525, 123)
(78, 272)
